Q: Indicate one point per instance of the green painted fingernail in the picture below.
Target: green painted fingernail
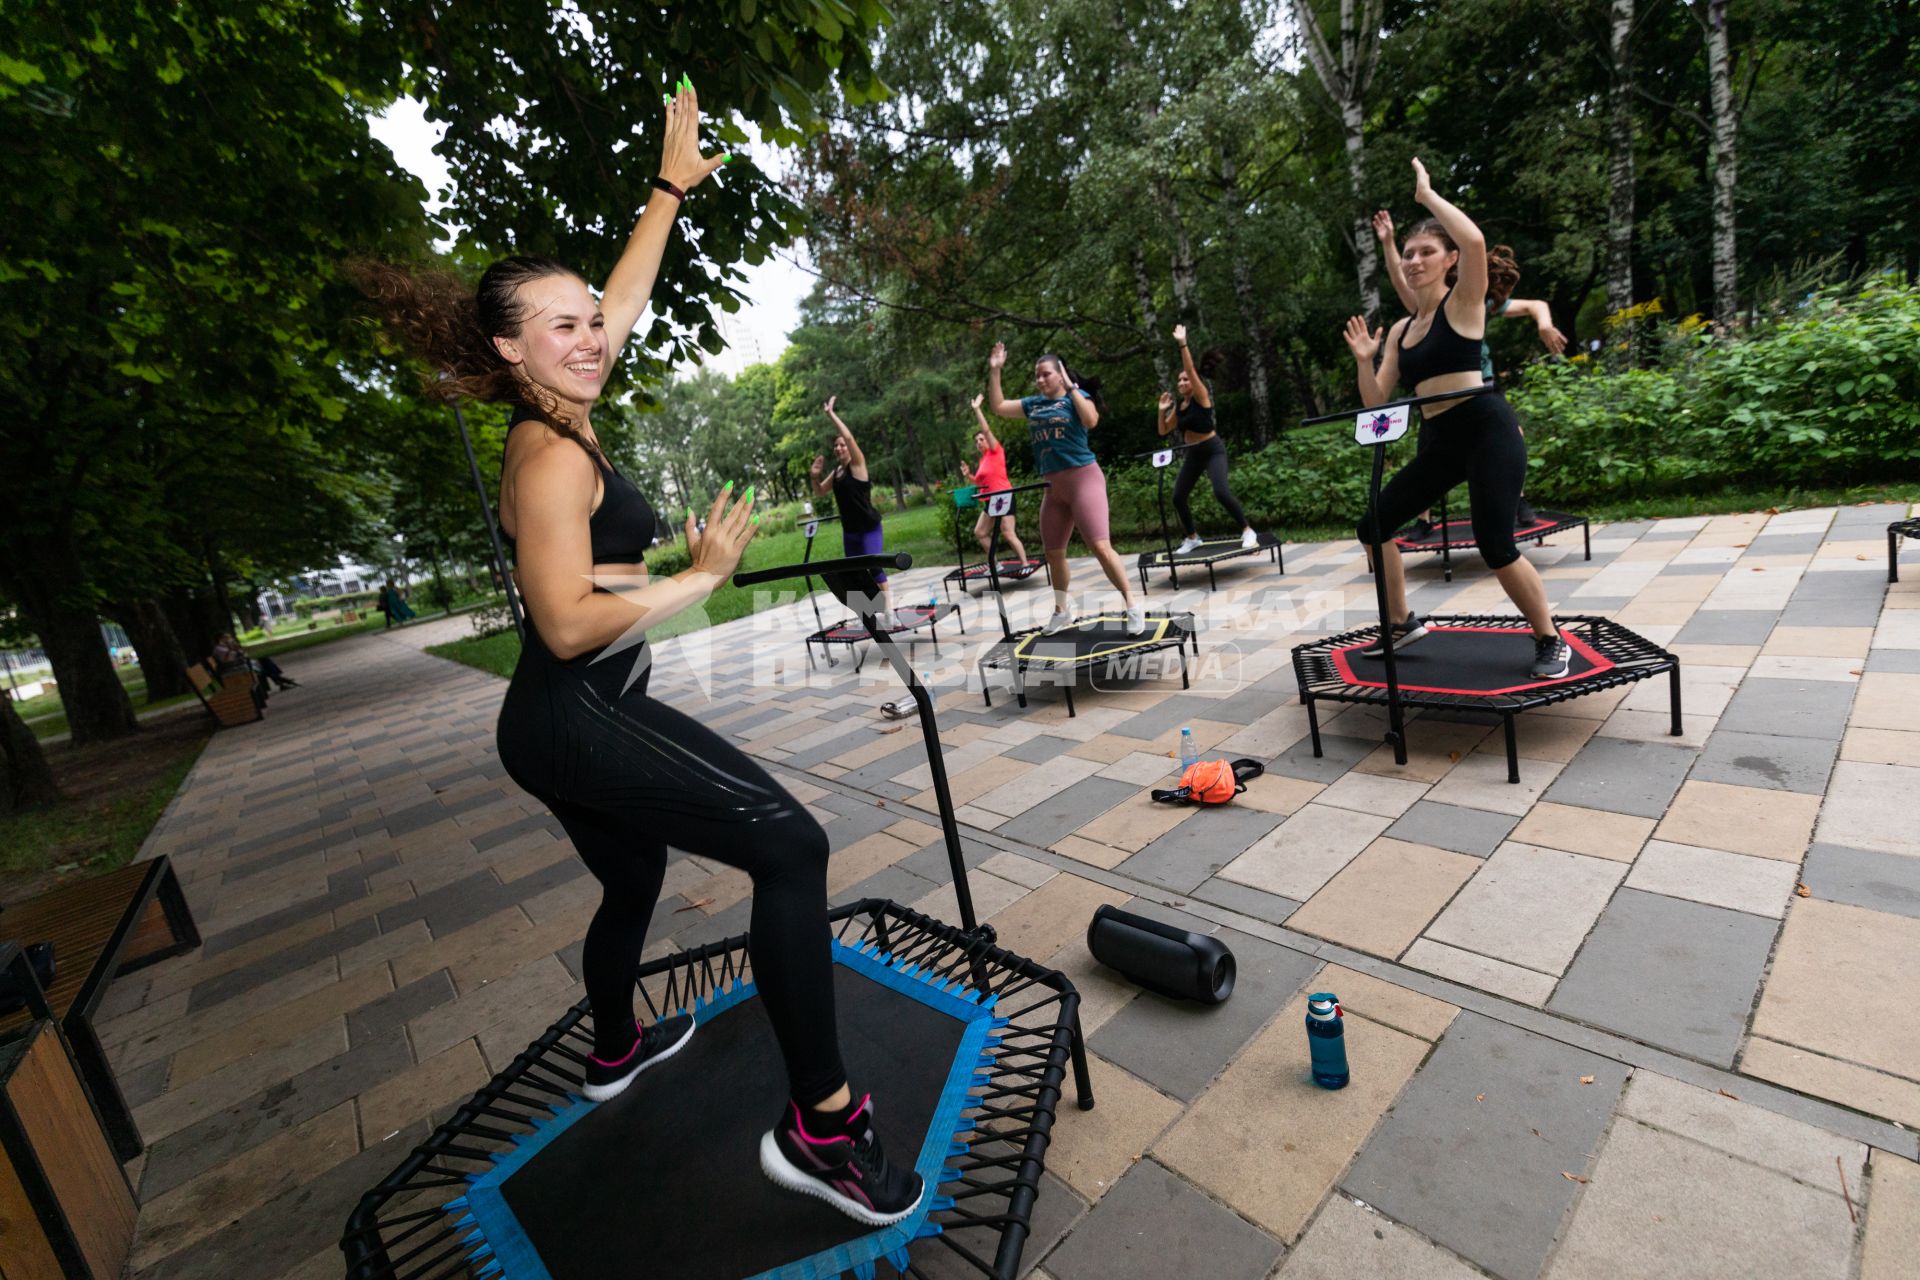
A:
(726, 157)
(728, 485)
(689, 513)
(756, 520)
(666, 99)
(749, 493)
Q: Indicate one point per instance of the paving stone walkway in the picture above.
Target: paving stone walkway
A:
(1648, 1013)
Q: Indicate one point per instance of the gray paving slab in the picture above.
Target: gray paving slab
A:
(894, 882)
(930, 861)
(830, 750)
(1796, 708)
(1692, 570)
(1270, 907)
(1178, 1046)
(855, 818)
(264, 970)
(1057, 1209)
(1625, 529)
(187, 1153)
(1621, 775)
(1815, 611)
(1727, 626)
(1039, 750)
(1342, 753)
(1450, 826)
(1843, 585)
(1773, 761)
(1154, 1224)
(1898, 660)
(1568, 603)
(1784, 544)
(1473, 1152)
(1864, 878)
(912, 752)
(1196, 849)
(379, 1018)
(1067, 810)
(1677, 974)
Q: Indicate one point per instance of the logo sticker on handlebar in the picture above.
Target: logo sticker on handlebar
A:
(1380, 426)
(1163, 458)
(999, 504)
(810, 528)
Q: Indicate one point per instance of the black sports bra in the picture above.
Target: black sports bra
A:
(1442, 351)
(623, 525)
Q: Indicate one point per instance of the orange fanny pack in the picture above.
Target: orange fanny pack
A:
(1212, 782)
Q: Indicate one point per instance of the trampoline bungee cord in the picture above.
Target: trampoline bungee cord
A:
(1466, 663)
(968, 1044)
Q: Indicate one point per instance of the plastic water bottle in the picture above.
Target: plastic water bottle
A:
(1327, 1040)
(1189, 754)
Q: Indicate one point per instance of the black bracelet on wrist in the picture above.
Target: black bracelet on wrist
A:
(661, 184)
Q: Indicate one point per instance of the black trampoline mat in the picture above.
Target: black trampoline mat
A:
(912, 617)
(1097, 637)
(1006, 569)
(1219, 549)
(1466, 660)
(665, 1179)
(1458, 534)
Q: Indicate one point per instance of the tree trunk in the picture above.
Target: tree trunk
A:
(25, 778)
(191, 618)
(1725, 164)
(1346, 82)
(1620, 169)
(162, 662)
(41, 581)
(1181, 270)
(221, 603)
(1143, 291)
(1248, 305)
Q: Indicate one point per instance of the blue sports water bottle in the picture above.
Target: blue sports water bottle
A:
(1327, 1040)
(1188, 755)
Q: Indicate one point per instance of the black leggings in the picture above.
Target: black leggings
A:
(1209, 456)
(1478, 441)
(628, 776)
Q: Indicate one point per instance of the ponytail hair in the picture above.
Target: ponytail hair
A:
(1089, 385)
(1503, 273)
(1432, 227)
(436, 317)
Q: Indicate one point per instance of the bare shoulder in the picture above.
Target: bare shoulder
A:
(543, 461)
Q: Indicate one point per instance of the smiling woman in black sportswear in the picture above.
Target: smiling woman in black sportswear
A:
(628, 776)
(1475, 439)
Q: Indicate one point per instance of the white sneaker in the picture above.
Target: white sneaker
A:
(1136, 621)
(1060, 621)
(1249, 539)
(1187, 546)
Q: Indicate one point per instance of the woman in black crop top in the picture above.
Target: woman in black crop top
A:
(1204, 453)
(1476, 440)
(861, 532)
(629, 777)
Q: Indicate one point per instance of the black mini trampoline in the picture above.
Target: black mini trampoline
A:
(1448, 536)
(1098, 642)
(1209, 553)
(1464, 664)
(971, 1045)
(1479, 664)
(971, 576)
(991, 572)
(1895, 532)
(852, 631)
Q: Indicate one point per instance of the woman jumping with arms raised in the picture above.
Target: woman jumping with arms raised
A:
(1058, 419)
(990, 475)
(629, 776)
(1205, 455)
(1476, 439)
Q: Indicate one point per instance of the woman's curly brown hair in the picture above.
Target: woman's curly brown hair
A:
(1503, 273)
(452, 327)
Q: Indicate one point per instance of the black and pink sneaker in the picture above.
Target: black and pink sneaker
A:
(653, 1045)
(849, 1170)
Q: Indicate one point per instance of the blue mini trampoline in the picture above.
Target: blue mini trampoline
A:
(968, 1045)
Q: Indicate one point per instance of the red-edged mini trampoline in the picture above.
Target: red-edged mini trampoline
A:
(1479, 664)
(1207, 555)
(912, 618)
(1448, 536)
(1895, 532)
(976, 576)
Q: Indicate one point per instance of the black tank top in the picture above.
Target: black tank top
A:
(1442, 351)
(854, 498)
(1197, 418)
(623, 525)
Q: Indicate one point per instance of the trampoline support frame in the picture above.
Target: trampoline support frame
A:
(1896, 531)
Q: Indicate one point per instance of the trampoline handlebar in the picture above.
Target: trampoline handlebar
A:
(1169, 448)
(1019, 488)
(1347, 415)
(816, 519)
(851, 564)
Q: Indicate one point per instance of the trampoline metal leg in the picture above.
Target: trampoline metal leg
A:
(1673, 693)
(1082, 1078)
(1070, 711)
(1182, 651)
(1586, 535)
(1893, 555)
(1313, 722)
(1513, 751)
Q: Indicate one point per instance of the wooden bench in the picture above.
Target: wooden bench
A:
(100, 929)
(228, 698)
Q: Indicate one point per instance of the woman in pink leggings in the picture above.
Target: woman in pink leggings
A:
(1058, 419)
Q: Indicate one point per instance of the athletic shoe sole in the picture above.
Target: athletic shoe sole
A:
(604, 1092)
(1139, 630)
(1553, 674)
(782, 1173)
